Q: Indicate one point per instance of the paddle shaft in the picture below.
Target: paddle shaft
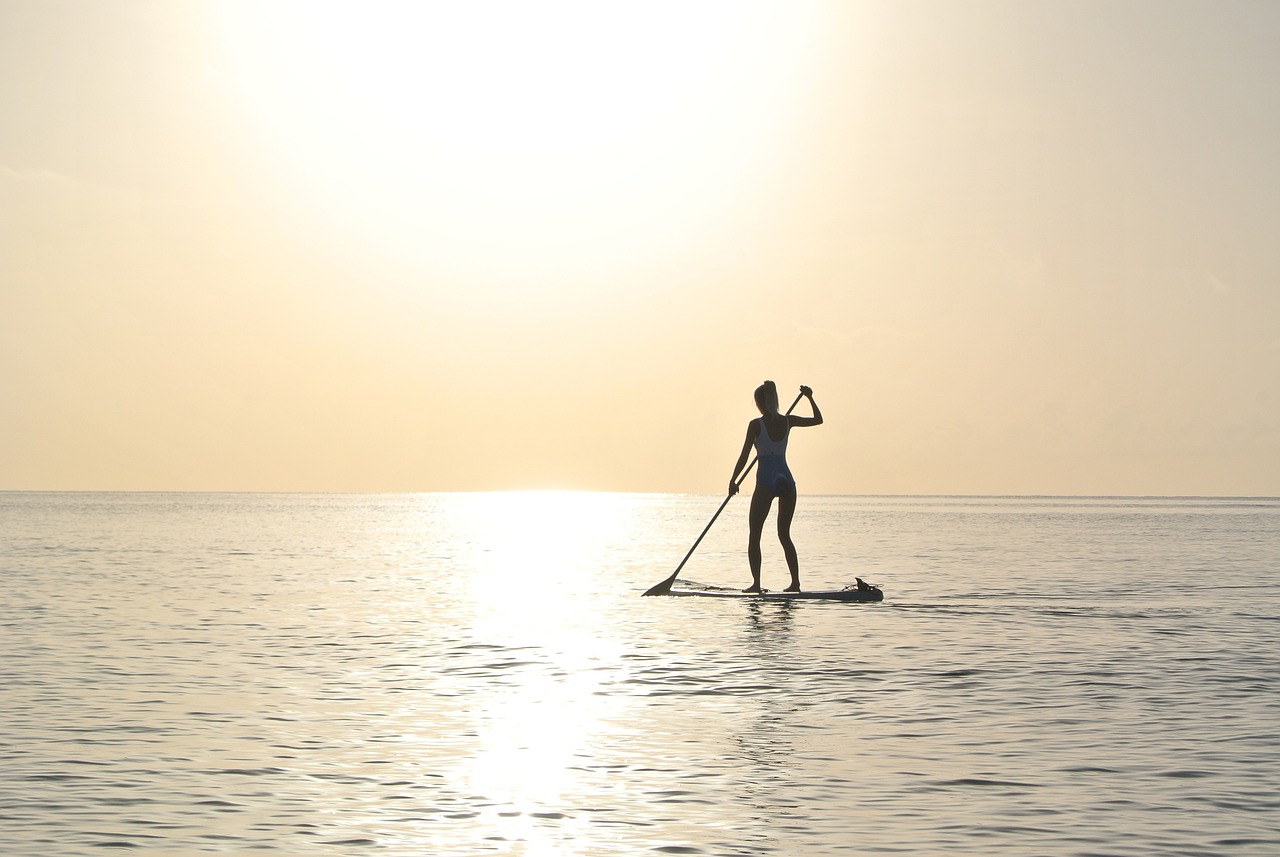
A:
(665, 586)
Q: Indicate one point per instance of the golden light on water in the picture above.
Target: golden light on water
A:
(535, 580)
(311, 246)
(534, 540)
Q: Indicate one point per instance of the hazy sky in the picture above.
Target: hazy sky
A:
(1014, 247)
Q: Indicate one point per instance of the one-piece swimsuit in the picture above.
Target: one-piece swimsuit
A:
(773, 476)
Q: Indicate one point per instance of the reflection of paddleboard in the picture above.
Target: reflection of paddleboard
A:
(866, 593)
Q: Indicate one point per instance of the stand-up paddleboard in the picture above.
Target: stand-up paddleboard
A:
(863, 593)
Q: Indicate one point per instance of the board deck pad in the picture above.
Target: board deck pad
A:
(871, 593)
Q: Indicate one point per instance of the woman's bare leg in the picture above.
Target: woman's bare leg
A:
(786, 511)
(760, 502)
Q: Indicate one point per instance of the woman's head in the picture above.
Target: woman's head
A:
(767, 398)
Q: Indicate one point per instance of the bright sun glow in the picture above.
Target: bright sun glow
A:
(536, 126)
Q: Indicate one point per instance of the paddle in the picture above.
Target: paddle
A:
(664, 588)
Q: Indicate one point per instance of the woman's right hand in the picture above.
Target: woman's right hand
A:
(807, 392)
(733, 487)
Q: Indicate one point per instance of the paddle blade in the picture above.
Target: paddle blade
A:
(663, 588)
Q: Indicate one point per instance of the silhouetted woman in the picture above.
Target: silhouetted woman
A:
(768, 435)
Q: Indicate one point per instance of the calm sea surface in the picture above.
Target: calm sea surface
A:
(478, 674)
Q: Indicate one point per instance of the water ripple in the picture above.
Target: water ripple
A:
(192, 674)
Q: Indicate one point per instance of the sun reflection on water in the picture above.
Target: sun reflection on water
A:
(536, 556)
(534, 584)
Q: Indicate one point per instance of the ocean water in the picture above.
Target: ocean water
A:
(477, 674)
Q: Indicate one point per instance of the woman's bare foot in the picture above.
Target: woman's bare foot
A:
(795, 587)
(755, 587)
